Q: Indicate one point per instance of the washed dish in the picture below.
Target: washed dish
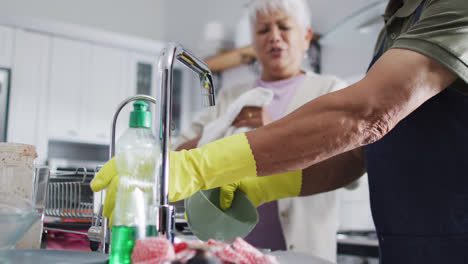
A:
(207, 220)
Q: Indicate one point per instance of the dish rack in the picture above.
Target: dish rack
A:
(69, 195)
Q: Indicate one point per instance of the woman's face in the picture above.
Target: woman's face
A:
(280, 44)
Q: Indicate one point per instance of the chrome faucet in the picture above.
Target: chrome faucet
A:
(166, 219)
(165, 67)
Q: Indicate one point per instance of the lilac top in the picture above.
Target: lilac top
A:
(268, 232)
(283, 90)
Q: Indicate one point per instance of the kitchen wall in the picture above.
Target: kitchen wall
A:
(142, 18)
(188, 18)
(183, 21)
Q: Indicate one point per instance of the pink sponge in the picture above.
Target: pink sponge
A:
(158, 250)
(154, 250)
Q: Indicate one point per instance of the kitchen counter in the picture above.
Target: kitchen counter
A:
(84, 257)
(43, 256)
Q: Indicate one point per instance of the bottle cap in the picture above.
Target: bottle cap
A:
(140, 116)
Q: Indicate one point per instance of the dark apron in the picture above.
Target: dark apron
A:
(418, 183)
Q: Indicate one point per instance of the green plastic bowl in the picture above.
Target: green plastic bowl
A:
(207, 221)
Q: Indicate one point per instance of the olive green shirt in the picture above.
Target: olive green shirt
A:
(441, 33)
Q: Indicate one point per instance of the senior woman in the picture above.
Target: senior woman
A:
(281, 36)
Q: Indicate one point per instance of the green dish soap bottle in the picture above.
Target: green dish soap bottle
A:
(135, 212)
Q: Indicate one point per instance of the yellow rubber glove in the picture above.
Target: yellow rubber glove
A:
(107, 177)
(263, 189)
(215, 164)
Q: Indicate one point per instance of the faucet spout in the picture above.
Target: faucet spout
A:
(165, 67)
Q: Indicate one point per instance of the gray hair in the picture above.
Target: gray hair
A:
(295, 8)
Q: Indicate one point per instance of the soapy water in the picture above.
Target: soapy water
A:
(135, 195)
(136, 208)
(137, 167)
(14, 223)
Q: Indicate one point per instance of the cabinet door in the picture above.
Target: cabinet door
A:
(6, 46)
(143, 74)
(27, 119)
(69, 79)
(108, 75)
(143, 80)
(185, 85)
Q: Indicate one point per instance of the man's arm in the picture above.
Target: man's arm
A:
(399, 82)
(333, 173)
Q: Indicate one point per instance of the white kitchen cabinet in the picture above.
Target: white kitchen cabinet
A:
(88, 81)
(138, 76)
(69, 73)
(143, 71)
(143, 79)
(27, 116)
(109, 78)
(6, 46)
(66, 82)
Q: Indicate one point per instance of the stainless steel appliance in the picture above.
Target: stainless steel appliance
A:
(4, 93)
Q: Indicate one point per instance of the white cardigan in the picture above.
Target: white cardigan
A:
(309, 223)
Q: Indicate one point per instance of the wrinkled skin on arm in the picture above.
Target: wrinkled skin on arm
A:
(343, 121)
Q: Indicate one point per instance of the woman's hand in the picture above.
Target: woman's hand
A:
(251, 116)
(191, 144)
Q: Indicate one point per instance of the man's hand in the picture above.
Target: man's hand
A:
(107, 177)
(213, 165)
(263, 189)
(251, 116)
